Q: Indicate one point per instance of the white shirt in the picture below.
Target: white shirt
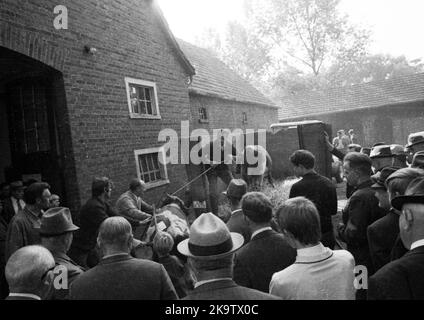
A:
(417, 244)
(15, 204)
(197, 284)
(259, 231)
(25, 295)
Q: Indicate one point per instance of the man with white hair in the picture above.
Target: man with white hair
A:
(118, 276)
(29, 273)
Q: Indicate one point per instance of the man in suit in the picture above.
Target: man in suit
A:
(24, 228)
(403, 279)
(29, 273)
(236, 189)
(382, 234)
(118, 276)
(318, 273)
(267, 252)
(320, 190)
(131, 206)
(56, 233)
(381, 157)
(14, 203)
(97, 209)
(210, 251)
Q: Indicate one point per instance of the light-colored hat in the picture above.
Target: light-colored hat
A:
(415, 138)
(237, 188)
(210, 239)
(56, 221)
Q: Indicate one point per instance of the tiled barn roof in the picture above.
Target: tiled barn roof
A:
(394, 91)
(214, 78)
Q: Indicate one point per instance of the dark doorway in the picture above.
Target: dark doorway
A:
(29, 139)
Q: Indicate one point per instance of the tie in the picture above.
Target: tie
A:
(19, 205)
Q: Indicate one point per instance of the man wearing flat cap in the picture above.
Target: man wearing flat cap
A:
(56, 233)
(210, 251)
(403, 279)
(382, 233)
(414, 145)
(381, 157)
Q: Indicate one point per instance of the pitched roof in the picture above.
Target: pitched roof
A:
(394, 91)
(214, 78)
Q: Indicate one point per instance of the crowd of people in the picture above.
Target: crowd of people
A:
(261, 252)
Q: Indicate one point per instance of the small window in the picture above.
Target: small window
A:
(150, 168)
(203, 115)
(142, 99)
(244, 117)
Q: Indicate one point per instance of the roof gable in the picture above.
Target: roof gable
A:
(394, 91)
(214, 78)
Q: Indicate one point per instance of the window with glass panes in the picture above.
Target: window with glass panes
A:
(203, 114)
(142, 99)
(149, 165)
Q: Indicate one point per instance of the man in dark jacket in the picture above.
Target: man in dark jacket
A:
(361, 210)
(235, 191)
(267, 252)
(15, 203)
(92, 214)
(210, 251)
(118, 276)
(403, 279)
(320, 190)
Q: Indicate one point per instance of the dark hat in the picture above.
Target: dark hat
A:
(381, 177)
(418, 160)
(413, 194)
(415, 138)
(17, 185)
(381, 152)
(57, 221)
(236, 189)
(378, 144)
(366, 151)
(355, 146)
(210, 239)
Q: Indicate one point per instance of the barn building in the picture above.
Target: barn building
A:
(379, 111)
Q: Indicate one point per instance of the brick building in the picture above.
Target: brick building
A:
(89, 100)
(385, 111)
(219, 98)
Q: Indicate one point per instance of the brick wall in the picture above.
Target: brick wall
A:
(228, 114)
(389, 124)
(100, 138)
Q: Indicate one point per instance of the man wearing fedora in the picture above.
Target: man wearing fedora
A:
(319, 189)
(56, 233)
(403, 279)
(381, 157)
(399, 156)
(383, 232)
(15, 203)
(267, 252)
(236, 189)
(24, 229)
(118, 276)
(210, 251)
(414, 145)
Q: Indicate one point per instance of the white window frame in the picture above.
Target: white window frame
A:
(143, 83)
(161, 158)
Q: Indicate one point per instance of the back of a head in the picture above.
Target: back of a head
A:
(115, 232)
(25, 268)
(304, 158)
(300, 217)
(397, 182)
(359, 161)
(99, 186)
(257, 207)
(163, 243)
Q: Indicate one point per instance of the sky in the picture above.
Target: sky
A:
(396, 24)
